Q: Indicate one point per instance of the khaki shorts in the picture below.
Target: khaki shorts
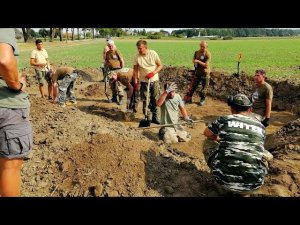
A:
(41, 76)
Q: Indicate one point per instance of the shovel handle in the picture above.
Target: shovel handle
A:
(147, 99)
(168, 125)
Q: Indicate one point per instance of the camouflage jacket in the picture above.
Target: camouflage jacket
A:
(237, 164)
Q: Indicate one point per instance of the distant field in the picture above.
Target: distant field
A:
(279, 57)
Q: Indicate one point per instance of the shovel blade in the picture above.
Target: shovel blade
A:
(145, 123)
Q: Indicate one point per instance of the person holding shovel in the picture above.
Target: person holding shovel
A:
(170, 103)
(147, 64)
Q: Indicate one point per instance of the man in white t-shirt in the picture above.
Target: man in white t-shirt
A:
(146, 66)
(39, 59)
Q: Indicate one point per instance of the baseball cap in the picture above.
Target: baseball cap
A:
(111, 42)
(239, 100)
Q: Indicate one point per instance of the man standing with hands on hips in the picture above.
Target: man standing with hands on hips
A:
(15, 127)
(146, 67)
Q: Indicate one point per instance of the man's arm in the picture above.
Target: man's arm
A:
(268, 108)
(183, 112)
(159, 67)
(161, 99)
(9, 69)
(103, 54)
(208, 133)
(33, 63)
(135, 73)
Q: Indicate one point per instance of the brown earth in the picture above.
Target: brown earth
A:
(89, 149)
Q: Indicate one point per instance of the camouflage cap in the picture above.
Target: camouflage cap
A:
(239, 100)
(242, 100)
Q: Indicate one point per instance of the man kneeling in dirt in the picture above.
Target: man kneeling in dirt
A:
(170, 102)
(124, 76)
(68, 76)
(239, 163)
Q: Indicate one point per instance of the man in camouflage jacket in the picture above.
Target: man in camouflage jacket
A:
(238, 164)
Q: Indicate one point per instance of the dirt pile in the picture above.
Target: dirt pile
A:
(89, 150)
(284, 170)
(286, 92)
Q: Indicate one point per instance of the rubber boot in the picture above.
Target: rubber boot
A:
(113, 99)
(155, 119)
(120, 100)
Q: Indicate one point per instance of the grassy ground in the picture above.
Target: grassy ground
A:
(280, 57)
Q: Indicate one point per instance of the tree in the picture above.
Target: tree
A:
(51, 34)
(26, 34)
(72, 30)
(60, 34)
(67, 29)
(43, 33)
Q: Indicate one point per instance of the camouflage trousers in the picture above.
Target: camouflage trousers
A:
(66, 88)
(117, 88)
(155, 92)
(202, 79)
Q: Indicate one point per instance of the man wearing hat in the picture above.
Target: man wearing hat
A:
(239, 162)
(106, 49)
(113, 62)
(171, 103)
(262, 98)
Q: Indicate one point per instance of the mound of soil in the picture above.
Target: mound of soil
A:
(89, 150)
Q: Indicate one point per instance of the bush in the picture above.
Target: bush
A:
(227, 38)
(154, 36)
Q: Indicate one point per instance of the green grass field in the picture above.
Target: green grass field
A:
(279, 57)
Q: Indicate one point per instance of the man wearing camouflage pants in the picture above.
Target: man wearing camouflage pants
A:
(201, 61)
(68, 76)
(239, 163)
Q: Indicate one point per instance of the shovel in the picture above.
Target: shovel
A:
(238, 64)
(168, 125)
(146, 122)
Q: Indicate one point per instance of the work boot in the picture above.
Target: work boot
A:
(155, 119)
(202, 101)
(113, 99)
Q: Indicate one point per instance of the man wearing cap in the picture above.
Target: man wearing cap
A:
(146, 66)
(106, 49)
(170, 103)
(239, 162)
(262, 98)
(114, 61)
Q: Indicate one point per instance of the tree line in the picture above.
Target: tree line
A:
(235, 32)
(29, 34)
